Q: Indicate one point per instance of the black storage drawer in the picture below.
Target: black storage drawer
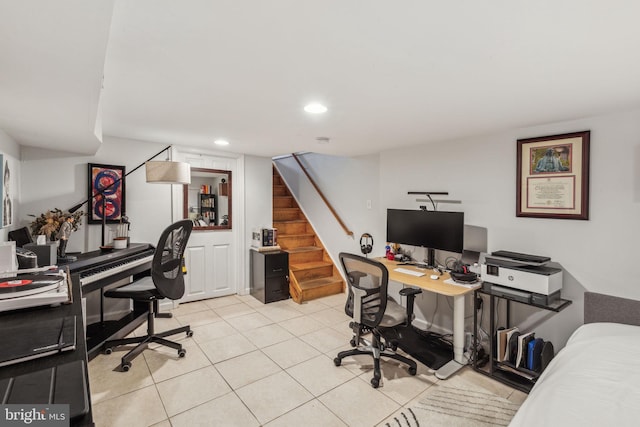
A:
(276, 288)
(276, 264)
(270, 275)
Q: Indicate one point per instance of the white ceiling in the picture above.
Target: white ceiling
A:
(392, 73)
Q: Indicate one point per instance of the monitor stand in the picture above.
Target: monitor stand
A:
(431, 258)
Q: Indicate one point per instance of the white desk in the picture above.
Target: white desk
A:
(438, 286)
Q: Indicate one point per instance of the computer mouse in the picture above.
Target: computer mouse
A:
(434, 277)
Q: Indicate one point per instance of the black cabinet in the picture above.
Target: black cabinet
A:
(269, 275)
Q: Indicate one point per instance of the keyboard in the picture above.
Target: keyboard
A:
(410, 272)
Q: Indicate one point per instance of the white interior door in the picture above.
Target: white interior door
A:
(211, 265)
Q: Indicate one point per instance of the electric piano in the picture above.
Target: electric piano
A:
(96, 270)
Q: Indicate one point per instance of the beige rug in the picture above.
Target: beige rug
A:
(443, 405)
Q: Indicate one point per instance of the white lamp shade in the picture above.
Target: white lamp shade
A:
(165, 172)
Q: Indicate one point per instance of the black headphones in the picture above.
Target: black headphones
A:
(365, 246)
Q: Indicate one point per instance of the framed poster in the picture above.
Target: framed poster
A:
(106, 181)
(553, 176)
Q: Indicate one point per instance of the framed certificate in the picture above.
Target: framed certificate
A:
(553, 176)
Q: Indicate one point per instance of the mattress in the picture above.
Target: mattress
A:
(593, 381)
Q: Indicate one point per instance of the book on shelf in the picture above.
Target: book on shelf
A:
(206, 189)
(502, 341)
(510, 347)
(523, 346)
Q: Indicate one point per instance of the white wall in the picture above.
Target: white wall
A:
(348, 183)
(258, 201)
(53, 179)
(481, 172)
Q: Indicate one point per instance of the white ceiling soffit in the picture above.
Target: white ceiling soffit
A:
(391, 73)
(51, 66)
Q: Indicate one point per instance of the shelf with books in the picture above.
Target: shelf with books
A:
(516, 358)
(208, 208)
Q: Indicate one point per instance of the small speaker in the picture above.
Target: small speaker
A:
(546, 355)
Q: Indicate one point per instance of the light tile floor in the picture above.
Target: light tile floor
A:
(250, 364)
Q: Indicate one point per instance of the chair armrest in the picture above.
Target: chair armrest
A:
(358, 294)
(410, 291)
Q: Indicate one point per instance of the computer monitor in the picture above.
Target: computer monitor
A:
(429, 229)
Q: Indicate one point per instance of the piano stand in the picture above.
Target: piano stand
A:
(99, 332)
(96, 270)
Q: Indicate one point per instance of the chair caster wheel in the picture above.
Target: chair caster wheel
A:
(189, 333)
(108, 350)
(337, 361)
(181, 353)
(126, 366)
(375, 382)
(353, 342)
(412, 371)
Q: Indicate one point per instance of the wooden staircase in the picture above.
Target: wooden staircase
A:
(312, 274)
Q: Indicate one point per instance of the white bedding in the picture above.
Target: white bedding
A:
(593, 381)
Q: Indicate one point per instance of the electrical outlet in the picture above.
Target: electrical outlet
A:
(468, 340)
(369, 204)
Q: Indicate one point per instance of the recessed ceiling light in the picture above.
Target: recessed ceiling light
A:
(315, 108)
(221, 142)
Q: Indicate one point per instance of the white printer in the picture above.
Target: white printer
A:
(527, 277)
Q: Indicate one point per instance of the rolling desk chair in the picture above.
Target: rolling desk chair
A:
(372, 311)
(166, 281)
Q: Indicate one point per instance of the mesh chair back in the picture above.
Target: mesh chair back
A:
(166, 266)
(371, 277)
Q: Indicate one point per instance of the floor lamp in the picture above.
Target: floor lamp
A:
(158, 172)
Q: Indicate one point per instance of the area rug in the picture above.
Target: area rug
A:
(447, 406)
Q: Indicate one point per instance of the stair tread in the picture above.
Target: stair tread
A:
(319, 282)
(285, 209)
(296, 235)
(304, 249)
(309, 265)
(288, 221)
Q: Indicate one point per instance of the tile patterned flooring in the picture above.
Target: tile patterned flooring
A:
(250, 364)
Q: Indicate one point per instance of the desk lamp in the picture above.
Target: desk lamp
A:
(433, 202)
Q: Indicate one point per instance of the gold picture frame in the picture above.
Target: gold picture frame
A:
(553, 176)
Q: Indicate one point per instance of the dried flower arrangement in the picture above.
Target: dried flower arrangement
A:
(48, 223)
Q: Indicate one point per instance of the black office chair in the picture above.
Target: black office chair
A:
(166, 281)
(371, 309)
